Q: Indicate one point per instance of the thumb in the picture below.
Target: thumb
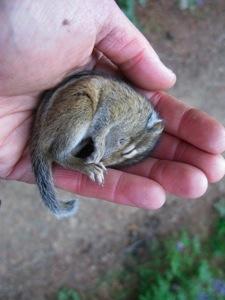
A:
(126, 46)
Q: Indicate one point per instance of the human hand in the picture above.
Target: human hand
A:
(58, 38)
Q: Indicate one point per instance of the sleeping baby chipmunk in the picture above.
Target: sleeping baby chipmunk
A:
(88, 122)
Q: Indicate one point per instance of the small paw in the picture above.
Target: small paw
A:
(95, 157)
(96, 172)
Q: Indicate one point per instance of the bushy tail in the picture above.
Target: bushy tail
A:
(43, 175)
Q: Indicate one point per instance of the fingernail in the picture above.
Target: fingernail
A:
(167, 70)
(170, 73)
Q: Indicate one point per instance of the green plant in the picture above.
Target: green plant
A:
(179, 268)
(67, 294)
(128, 7)
(190, 4)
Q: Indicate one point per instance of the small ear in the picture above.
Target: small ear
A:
(154, 120)
(158, 127)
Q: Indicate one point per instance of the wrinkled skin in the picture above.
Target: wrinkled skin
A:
(42, 41)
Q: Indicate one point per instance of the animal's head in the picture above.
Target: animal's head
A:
(123, 148)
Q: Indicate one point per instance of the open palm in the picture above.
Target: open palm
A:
(189, 154)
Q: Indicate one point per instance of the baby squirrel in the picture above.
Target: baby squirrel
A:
(88, 122)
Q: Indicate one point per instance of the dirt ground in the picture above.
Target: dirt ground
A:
(38, 254)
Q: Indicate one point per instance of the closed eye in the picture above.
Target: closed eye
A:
(130, 151)
(130, 154)
(153, 119)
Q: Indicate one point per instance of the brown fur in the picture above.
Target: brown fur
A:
(90, 110)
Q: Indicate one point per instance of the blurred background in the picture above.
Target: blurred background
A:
(122, 253)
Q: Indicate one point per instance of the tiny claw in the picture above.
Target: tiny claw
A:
(92, 176)
(100, 179)
(102, 166)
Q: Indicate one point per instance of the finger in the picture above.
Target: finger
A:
(125, 46)
(190, 124)
(176, 178)
(119, 187)
(171, 148)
